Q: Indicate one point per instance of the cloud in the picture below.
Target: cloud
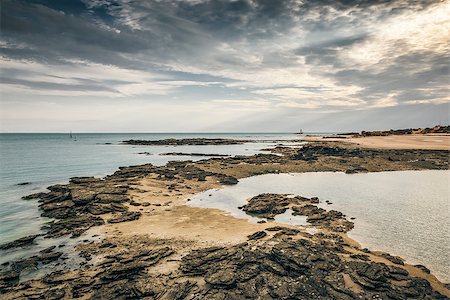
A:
(303, 55)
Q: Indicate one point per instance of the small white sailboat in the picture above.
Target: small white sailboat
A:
(300, 131)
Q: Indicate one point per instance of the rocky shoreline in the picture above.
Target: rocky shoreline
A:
(263, 261)
(438, 129)
(185, 142)
(193, 154)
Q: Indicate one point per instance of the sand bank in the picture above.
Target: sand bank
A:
(415, 141)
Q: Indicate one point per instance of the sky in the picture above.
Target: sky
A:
(223, 66)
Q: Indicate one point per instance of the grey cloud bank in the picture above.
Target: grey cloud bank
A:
(214, 65)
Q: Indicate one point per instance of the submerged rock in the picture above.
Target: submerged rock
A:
(22, 242)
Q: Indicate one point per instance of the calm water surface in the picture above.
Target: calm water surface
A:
(404, 213)
(46, 159)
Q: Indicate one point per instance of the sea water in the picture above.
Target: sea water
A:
(40, 160)
(405, 213)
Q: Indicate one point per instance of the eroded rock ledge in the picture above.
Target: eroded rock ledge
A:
(270, 205)
(184, 142)
(285, 264)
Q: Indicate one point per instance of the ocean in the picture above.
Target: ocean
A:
(31, 162)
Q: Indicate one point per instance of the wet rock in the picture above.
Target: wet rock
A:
(125, 217)
(194, 154)
(22, 242)
(270, 205)
(29, 263)
(111, 198)
(56, 205)
(223, 277)
(9, 278)
(423, 268)
(228, 180)
(276, 228)
(360, 257)
(54, 294)
(122, 271)
(266, 205)
(193, 141)
(49, 257)
(82, 196)
(33, 196)
(395, 259)
(356, 170)
(75, 225)
(179, 291)
(84, 180)
(282, 269)
(257, 235)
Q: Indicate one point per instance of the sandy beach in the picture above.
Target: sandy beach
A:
(154, 245)
(419, 141)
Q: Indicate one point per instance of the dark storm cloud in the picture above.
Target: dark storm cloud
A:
(55, 35)
(221, 41)
(414, 76)
(99, 31)
(325, 53)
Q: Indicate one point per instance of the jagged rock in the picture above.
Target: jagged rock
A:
(299, 269)
(267, 205)
(395, 259)
(56, 205)
(125, 217)
(223, 277)
(228, 180)
(8, 278)
(356, 170)
(22, 242)
(111, 198)
(122, 271)
(192, 141)
(270, 205)
(423, 268)
(82, 196)
(257, 235)
(84, 180)
(179, 291)
(74, 225)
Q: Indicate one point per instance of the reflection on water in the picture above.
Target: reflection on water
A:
(404, 213)
(65, 245)
(288, 218)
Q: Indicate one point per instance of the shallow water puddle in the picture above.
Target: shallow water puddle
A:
(288, 218)
(405, 213)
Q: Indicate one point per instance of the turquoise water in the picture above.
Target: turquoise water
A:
(405, 213)
(46, 159)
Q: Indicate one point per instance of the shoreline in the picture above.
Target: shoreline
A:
(406, 142)
(158, 197)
